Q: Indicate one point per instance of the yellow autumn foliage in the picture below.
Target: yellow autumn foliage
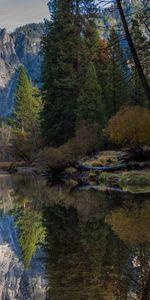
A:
(130, 127)
(131, 224)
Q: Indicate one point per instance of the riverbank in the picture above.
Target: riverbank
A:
(131, 181)
(106, 168)
(135, 181)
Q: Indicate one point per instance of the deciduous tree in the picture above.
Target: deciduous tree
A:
(130, 127)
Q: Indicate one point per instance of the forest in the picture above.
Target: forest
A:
(95, 93)
(75, 153)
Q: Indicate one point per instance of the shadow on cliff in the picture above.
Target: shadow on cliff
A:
(7, 95)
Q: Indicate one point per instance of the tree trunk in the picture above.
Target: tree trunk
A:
(134, 52)
(78, 29)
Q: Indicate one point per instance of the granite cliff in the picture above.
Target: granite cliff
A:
(20, 47)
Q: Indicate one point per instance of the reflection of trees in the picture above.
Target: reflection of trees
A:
(68, 266)
(31, 233)
(110, 267)
(108, 258)
(132, 224)
(86, 258)
(28, 189)
(5, 193)
(28, 216)
(82, 257)
(5, 136)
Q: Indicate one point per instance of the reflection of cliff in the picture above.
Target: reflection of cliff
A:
(87, 257)
(15, 282)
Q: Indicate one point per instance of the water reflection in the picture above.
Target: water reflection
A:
(74, 244)
(17, 245)
(131, 223)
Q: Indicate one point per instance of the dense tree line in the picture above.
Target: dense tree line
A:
(79, 82)
(88, 77)
(69, 49)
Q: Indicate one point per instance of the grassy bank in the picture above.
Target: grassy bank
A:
(132, 181)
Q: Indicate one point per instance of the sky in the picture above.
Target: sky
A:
(14, 13)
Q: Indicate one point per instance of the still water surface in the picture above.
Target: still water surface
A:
(62, 243)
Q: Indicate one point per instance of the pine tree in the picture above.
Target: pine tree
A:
(90, 107)
(26, 117)
(113, 77)
(67, 51)
(142, 45)
(59, 74)
(89, 16)
(22, 100)
(27, 103)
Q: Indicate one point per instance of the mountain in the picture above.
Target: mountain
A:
(17, 48)
(110, 17)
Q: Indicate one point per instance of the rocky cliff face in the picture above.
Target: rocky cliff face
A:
(20, 47)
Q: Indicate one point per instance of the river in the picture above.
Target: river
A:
(61, 242)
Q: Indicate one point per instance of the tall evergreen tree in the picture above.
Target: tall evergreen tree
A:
(113, 77)
(22, 100)
(26, 117)
(59, 74)
(142, 45)
(66, 52)
(90, 107)
(27, 103)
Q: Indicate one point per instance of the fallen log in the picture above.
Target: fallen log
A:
(120, 167)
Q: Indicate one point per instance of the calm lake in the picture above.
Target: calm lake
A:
(63, 242)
